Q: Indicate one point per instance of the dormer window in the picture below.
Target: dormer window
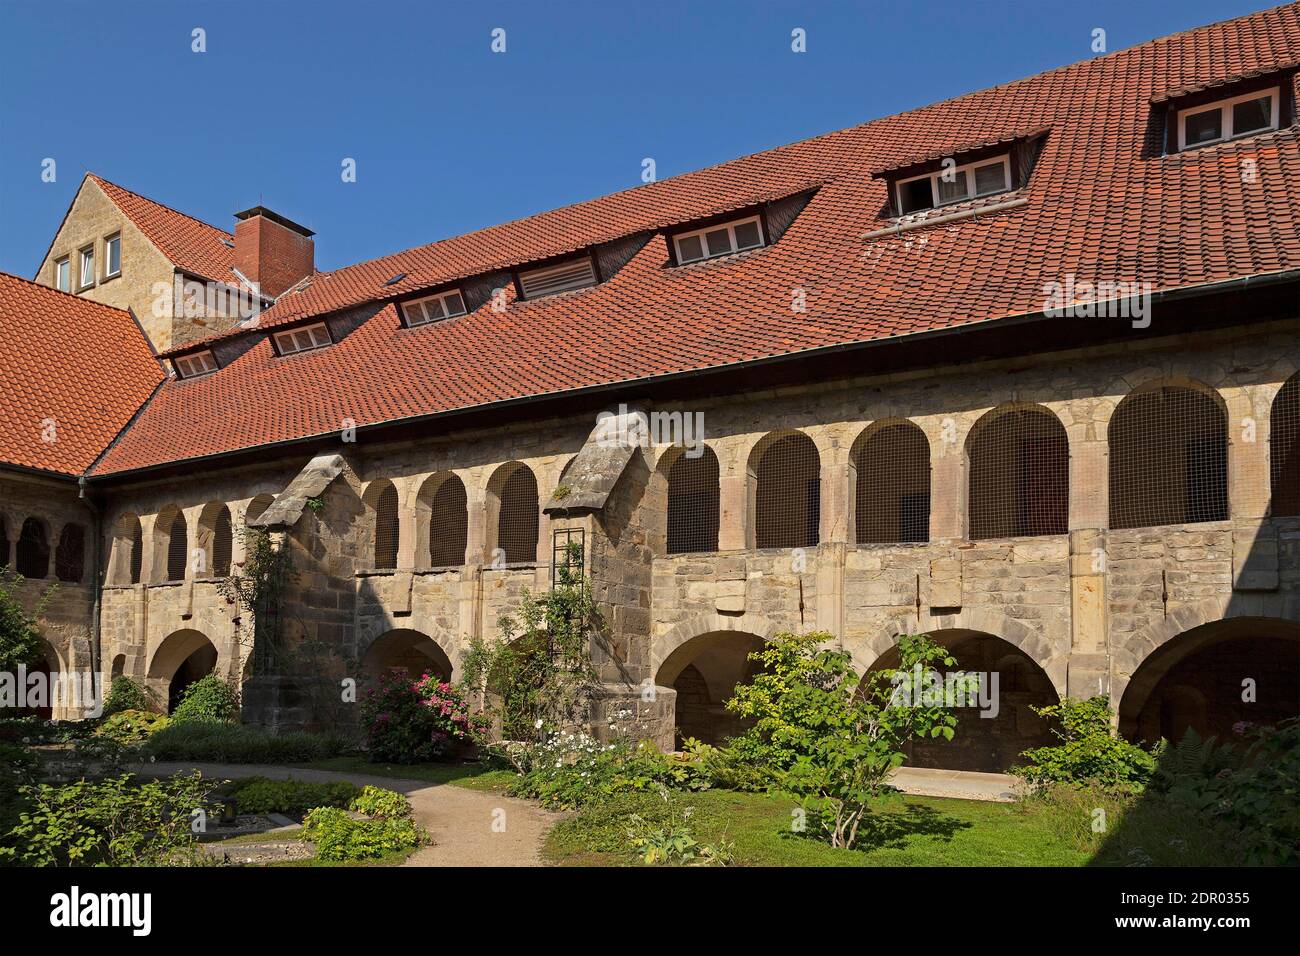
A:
(434, 308)
(723, 239)
(1245, 115)
(984, 177)
(302, 340)
(197, 363)
(578, 273)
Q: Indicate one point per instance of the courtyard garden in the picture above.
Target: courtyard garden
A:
(807, 782)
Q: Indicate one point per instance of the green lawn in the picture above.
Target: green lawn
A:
(473, 776)
(907, 831)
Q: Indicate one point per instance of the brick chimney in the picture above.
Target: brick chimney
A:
(271, 250)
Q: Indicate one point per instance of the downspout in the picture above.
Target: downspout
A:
(96, 521)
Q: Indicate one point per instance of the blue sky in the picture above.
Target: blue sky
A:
(447, 135)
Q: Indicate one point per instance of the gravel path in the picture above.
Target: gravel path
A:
(468, 827)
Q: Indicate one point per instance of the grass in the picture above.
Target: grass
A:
(472, 776)
(906, 831)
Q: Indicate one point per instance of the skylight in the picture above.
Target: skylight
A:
(723, 239)
(303, 339)
(395, 279)
(444, 305)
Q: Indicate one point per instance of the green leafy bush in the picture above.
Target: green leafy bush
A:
(17, 766)
(126, 694)
(1090, 752)
(260, 795)
(673, 843)
(381, 803)
(112, 822)
(38, 730)
(208, 699)
(1255, 793)
(20, 641)
(131, 726)
(235, 743)
(340, 838)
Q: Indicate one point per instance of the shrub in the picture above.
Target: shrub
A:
(381, 803)
(340, 838)
(235, 743)
(131, 726)
(17, 765)
(1090, 752)
(260, 795)
(208, 699)
(126, 694)
(573, 769)
(108, 823)
(409, 721)
(1255, 794)
(20, 641)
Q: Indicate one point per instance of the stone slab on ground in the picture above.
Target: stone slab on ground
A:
(960, 784)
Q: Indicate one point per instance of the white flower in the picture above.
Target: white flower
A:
(538, 725)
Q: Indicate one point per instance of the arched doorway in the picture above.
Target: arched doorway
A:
(1211, 677)
(181, 659)
(705, 671)
(410, 652)
(990, 738)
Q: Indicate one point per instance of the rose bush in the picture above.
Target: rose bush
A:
(408, 721)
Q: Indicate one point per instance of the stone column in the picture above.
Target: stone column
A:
(948, 496)
(734, 533)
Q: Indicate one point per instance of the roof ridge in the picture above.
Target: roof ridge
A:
(100, 179)
(70, 295)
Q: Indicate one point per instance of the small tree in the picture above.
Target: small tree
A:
(832, 737)
(20, 641)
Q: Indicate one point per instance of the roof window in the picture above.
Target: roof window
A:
(722, 239)
(303, 339)
(1244, 115)
(434, 308)
(195, 364)
(953, 184)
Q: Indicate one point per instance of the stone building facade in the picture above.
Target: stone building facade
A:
(899, 429)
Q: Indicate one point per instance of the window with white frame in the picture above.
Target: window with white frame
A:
(113, 255)
(198, 363)
(723, 239)
(1243, 115)
(87, 274)
(63, 274)
(564, 276)
(955, 184)
(301, 340)
(444, 305)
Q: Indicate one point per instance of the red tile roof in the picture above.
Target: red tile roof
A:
(84, 367)
(1103, 204)
(188, 243)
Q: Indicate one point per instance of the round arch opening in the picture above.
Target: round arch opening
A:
(988, 738)
(181, 659)
(704, 672)
(1213, 677)
(407, 652)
